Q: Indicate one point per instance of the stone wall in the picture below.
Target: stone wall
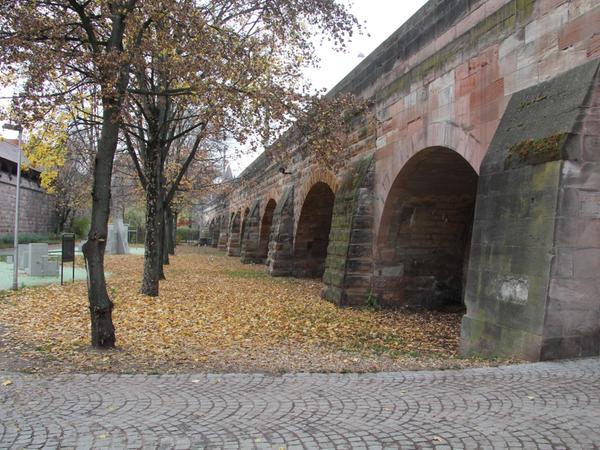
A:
(439, 88)
(532, 288)
(280, 256)
(37, 213)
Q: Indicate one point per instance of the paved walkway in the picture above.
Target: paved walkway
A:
(551, 405)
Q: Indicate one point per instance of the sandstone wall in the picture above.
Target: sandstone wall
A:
(442, 83)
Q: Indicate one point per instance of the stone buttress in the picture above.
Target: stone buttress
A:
(280, 260)
(532, 289)
(349, 263)
(250, 239)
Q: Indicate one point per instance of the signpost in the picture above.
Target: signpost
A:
(16, 127)
(68, 253)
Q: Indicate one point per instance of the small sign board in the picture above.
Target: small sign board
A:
(68, 247)
(68, 253)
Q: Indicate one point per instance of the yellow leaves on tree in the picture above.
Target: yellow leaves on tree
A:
(46, 150)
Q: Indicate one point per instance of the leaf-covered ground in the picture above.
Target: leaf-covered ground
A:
(213, 315)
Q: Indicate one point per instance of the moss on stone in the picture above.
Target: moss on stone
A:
(526, 104)
(524, 8)
(536, 151)
(344, 211)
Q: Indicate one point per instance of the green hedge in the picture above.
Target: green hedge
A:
(187, 234)
(6, 240)
(80, 226)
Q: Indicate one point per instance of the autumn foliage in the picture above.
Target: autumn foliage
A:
(215, 314)
(225, 66)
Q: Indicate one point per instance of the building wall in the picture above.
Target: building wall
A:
(37, 213)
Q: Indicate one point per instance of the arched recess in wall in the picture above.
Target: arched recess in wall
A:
(318, 174)
(312, 233)
(235, 222)
(424, 236)
(265, 229)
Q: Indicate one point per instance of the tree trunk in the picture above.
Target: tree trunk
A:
(154, 224)
(173, 240)
(101, 306)
(170, 230)
(161, 267)
(64, 220)
(167, 237)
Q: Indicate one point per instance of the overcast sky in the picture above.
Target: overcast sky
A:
(382, 17)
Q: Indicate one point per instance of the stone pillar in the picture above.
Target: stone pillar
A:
(250, 240)
(349, 264)
(223, 236)
(233, 242)
(215, 234)
(532, 289)
(280, 258)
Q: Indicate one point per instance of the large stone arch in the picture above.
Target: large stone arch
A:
(422, 246)
(312, 231)
(438, 134)
(317, 175)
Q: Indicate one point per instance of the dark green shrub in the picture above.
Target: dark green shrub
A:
(81, 227)
(187, 234)
(6, 240)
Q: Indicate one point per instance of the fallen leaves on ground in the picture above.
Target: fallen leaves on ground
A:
(216, 314)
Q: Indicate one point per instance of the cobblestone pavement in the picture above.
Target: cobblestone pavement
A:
(548, 405)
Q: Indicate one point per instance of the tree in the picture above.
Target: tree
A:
(63, 150)
(234, 69)
(63, 51)
(67, 50)
(195, 185)
(181, 160)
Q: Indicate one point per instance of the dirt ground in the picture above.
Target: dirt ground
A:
(215, 314)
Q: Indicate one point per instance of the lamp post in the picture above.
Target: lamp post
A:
(16, 127)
